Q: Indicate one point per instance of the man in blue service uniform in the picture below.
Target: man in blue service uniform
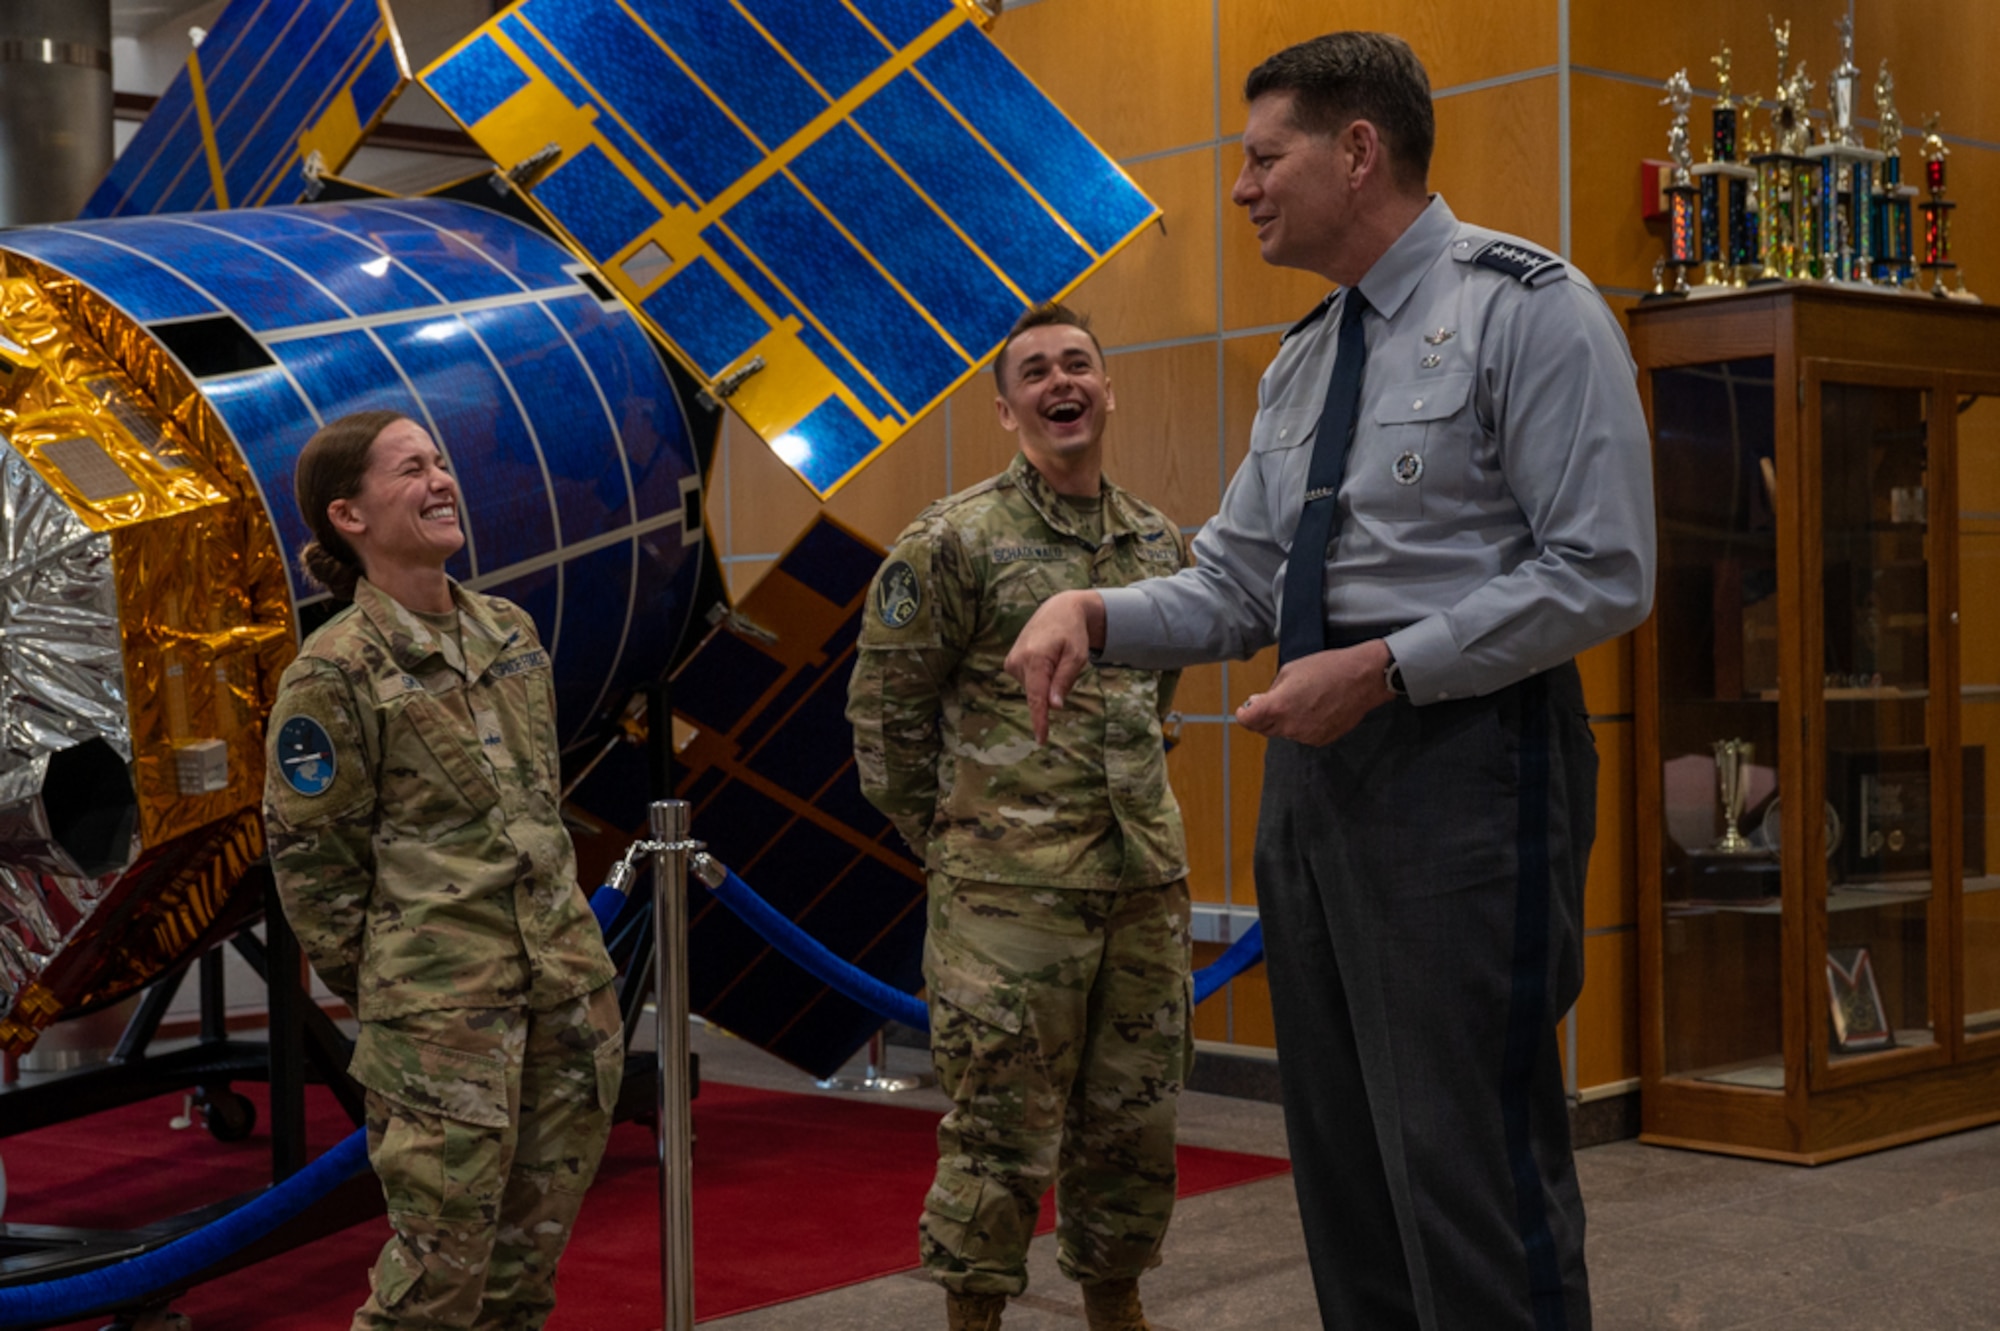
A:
(1447, 497)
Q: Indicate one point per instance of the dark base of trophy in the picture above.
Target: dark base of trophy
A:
(1935, 280)
(1728, 876)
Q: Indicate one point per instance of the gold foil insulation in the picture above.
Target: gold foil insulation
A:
(204, 625)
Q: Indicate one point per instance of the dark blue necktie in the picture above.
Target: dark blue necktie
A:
(1302, 617)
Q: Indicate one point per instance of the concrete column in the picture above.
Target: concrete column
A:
(55, 106)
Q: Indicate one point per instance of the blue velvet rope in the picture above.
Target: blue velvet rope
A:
(131, 1280)
(851, 982)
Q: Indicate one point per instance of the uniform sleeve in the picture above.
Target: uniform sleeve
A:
(1170, 680)
(1222, 607)
(319, 815)
(1577, 458)
(921, 612)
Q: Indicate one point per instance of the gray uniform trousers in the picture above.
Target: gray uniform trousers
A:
(1421, 887)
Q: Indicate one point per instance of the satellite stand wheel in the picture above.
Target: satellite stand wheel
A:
(228, 1115)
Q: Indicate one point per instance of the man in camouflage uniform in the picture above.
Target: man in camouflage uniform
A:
(1057, 958)
(412, 807)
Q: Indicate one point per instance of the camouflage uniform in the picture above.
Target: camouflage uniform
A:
(1057, 958)
(412, 806)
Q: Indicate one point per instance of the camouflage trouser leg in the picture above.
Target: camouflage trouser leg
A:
(485, 1126)
(1060, 1027)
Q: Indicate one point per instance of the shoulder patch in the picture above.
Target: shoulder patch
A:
(898, 595)
(1313, 316)
(305, 756)
(1530, 266)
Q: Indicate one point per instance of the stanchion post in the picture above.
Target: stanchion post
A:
(670, 955)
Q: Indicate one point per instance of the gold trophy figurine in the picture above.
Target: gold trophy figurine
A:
(1732, 773)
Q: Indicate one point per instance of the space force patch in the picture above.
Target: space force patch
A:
(898, 595)
(305, 756)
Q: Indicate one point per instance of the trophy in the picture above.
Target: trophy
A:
(1682, 193)
(1785, 174)
(1732, 773)
(1937, 214)
(1892, 201)
(1843, 231)
(1727, 246)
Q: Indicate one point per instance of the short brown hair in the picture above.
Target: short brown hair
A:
(1342, 77)
(1055, 313)
(332, 466)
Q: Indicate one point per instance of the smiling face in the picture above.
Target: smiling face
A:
(1056, 397)
(405, 516)
(1297, 186)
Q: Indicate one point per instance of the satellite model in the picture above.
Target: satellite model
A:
(826, 215)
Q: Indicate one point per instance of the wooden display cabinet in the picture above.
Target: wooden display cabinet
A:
(1827, 980)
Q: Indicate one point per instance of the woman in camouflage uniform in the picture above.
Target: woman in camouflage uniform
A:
(412, 805)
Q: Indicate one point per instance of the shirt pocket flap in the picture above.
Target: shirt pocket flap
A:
(1422, 400)
(1281, 428)
(430, 1078)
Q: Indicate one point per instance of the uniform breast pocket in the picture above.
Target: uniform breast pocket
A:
(1420, 448)
(432, 777)
(1277, 443)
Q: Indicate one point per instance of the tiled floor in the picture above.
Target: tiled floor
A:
(1905, 1240)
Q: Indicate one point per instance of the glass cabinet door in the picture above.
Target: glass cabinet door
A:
(1884, 813)
(1978, 454)
(1717, 631)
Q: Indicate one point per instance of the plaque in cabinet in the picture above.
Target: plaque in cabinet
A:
(1854, 1004)
(1888, 798)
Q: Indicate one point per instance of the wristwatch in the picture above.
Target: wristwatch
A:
(1392, 675)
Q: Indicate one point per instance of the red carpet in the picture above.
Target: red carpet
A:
(793, 1195)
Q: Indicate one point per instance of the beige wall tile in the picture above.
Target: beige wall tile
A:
(1459, 41)
(1607, 1014)
(1162, 285)
(1941, 53)
(1498, 159)
(1158, 93)
(1161, 442)
(1610, 895)
(1195, 768)
(895, 487)
(1618, 125)
(1652, 41)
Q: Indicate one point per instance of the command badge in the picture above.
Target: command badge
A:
(305, 755)
(897, 595)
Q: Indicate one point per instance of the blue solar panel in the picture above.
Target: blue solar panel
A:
(863, 196)
(271, 83)
(271, 422)
(553, 384)
(597, 592)
(143, 289)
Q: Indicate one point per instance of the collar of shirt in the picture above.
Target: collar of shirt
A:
(413, 643)
(1119, 519)
(1389, 282)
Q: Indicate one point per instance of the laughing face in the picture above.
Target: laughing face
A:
(1057, 396)
(406, 514)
